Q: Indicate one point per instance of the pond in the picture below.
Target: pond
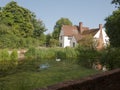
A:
(44, 66)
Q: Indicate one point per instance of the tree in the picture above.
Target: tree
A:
(57, 27)
(87, 42)
(39, 27)
(48, 37)
(19, 27)
(116, 2)
(18, 18)
(113, 28)
(53, 42)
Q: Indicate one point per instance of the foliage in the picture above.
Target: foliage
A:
(71, 53)
(14, 55)
(113, 28)
(87, 56)
(48, 37)
(18, 18)
(87, 41)
(19, 27)
(60, 54)
(4, 55)
(31, 53)
(116, 2)
(4, 29)
(51, 53)
(111, 58)
(39, 28)
(53, 42)
(12, 41)
(58, 26)
(8, 61)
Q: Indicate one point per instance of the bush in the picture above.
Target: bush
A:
(31, 53)
(61, 54)
(111, 58)
(87, 56)
(14, 55)
(4, 55)
(71, 52)
(7, 61)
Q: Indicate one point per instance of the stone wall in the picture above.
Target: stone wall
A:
(109, 80)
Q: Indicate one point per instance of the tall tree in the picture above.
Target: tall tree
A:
(113, 27)
(57, 27)
(17, 17)
(39, 28)
(116, 2)
(22, 20)
(19, 27)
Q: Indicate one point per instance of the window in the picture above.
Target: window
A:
(60, 44)
(60, 37)
(73, 44)
(69, 38)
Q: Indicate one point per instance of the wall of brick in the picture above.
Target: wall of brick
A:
(109, 80)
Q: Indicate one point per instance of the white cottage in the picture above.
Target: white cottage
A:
(71, 35)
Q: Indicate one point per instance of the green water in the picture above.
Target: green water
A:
(28, 75)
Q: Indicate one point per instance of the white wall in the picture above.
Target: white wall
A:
(66, 42)
(61, 41)
(73, 41)
(105, 37)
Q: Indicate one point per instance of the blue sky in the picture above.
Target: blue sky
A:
(90, 12)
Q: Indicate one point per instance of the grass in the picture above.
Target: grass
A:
(29, 76)
(52, 53)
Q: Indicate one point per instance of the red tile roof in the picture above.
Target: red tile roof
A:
(74, 31)
(69, 30)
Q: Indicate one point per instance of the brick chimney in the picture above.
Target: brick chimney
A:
(100, 26)
(100, 45)
(81, 27)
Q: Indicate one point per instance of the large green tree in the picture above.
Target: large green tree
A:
(113, 28)
(39, 28)
(116, 2)
(57, 27)
(18, 18)
(19, 27)
(22, 20)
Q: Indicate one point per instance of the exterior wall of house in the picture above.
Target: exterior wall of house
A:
(61, 39)
(66, 41)
(105, 37)
(73, 42)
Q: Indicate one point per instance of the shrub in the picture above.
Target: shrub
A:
(4, 55)
(111, 58)
(14, 55)
(61, 54)
(7, 61)
(71, 52)
(31, 53)
(87, 56)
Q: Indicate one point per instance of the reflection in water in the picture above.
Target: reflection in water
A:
(44, 66)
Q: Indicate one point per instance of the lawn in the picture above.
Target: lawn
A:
(28, 75)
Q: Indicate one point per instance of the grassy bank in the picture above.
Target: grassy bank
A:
(28, 75)
(51, 53)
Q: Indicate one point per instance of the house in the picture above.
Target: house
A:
(72, 35)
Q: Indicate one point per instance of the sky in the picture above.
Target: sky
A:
(90, 12)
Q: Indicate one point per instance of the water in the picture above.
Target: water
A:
(44, 66)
